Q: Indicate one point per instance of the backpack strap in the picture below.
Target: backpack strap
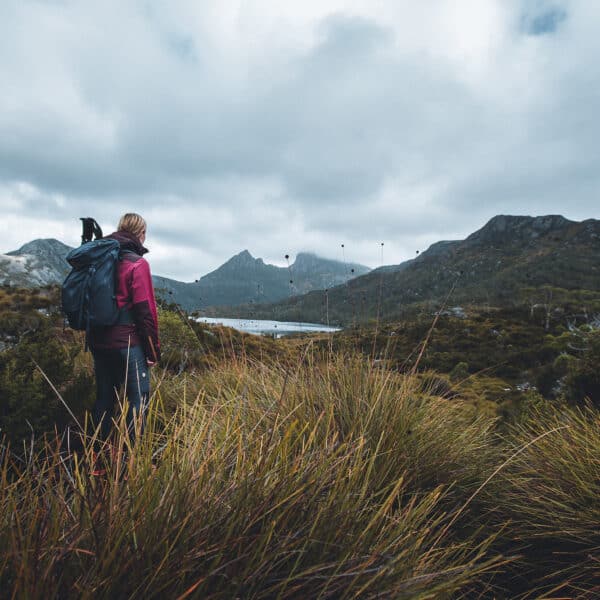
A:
(126, 316)
(84, 298)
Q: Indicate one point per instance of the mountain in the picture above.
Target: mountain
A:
(42, 262)
(37, 263)
(313, 272)
(242, 279)
(509, 257)
(245, 279)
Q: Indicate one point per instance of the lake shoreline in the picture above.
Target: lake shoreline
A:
(268, 327)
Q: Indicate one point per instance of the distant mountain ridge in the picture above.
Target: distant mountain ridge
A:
(496, 263)
(245, 279)
(241, 279)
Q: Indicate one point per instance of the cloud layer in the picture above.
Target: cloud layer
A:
(280, 127)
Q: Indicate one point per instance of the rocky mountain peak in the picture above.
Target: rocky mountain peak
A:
(242, 259)
(241, 266)
(41, 248)
(305, 260)
(40, 262)
(507, 227)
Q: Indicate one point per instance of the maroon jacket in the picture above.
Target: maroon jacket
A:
(135, 294)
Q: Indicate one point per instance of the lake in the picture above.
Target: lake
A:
(263, 327)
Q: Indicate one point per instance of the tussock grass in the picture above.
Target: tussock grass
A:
(329, 480)
(330, 477)
(550, 496)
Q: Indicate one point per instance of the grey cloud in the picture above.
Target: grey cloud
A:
(352, 138)
(362, 118)
(316, 130)
(183, 46)
(547, 21)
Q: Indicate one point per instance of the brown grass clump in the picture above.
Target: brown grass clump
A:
(329, 480)
(550, 496)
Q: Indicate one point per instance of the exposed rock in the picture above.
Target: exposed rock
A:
(509, 227)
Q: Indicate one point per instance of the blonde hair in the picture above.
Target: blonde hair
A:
(132, 223)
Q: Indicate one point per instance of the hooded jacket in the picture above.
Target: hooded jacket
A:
(135, 294)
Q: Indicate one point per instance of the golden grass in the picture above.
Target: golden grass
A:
(264, 483)
(328, 478)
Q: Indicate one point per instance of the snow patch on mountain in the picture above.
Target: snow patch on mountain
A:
(38, 263)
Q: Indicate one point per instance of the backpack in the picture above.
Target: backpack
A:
(89, 291)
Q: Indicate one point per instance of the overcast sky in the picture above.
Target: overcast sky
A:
(279, 126)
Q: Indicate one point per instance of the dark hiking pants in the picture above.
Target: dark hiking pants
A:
(115, 368)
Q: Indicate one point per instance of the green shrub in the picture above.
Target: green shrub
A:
(180, 347)
(28, 404)
(459, 372)
(583, 378)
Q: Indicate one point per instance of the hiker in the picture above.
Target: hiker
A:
(124, 352)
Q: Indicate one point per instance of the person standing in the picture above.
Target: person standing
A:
(123, 353)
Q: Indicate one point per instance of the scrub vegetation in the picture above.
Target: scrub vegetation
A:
(349, 466)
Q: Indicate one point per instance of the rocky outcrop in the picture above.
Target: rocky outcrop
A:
(510, 228)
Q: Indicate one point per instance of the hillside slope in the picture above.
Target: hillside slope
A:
(497, 264)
